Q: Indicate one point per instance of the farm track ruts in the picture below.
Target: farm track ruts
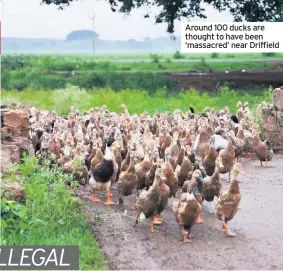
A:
(258, 225)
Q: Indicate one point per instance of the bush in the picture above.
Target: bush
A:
(70, 95)
(155, 58)
(14, 62)
(202, 66)
(214, 55)
(178, 55)
(269, 54)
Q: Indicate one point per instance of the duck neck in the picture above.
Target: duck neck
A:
(215, 175)
(131, 168)
(234, 186)
(108, 153)
(175, 141)
(256, 139)
(230, 144)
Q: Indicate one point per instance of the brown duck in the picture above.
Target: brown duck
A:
(226, 206)
(187, 209)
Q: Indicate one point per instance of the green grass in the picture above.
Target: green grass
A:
(49, 216)
(157, 64)
(183, 67)
(143, 56)
(136, 100)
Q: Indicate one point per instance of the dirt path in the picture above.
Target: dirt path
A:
(258, 225)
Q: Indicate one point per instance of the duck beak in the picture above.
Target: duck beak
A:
(119, 106)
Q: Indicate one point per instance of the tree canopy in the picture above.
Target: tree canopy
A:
(81, 35)
(241, 10)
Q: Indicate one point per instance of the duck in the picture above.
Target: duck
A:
(148, 201)
(141, 170)
(247, 114)
(212, 184)
(118, 157)
(182, 171)
(164, 195)
(171, 178)
(227, 155)
(197, 182)
(103, 173)
(247, 138)
(226, 206)
(209, 160)
(187, 209)
(127, 182)
(126, 162)
(262, 152)
(201, 143)
(238, 145)
(181, 154)
(240, 112)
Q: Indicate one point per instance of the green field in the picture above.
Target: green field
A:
(51, 72)
(146, 56)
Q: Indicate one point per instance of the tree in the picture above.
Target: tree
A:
(241, 10)
(81, 35)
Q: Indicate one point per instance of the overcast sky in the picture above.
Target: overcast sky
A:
(27, 18)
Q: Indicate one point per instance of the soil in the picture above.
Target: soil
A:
(239, 80)
(258, 224)
(209, 82)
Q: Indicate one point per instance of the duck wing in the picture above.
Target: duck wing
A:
(103, 171)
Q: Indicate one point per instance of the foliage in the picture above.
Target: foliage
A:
(9, 62)
(140, 100)
(82, 35)
(178, 55)
(49, 216)
(155, 58)
(204, 66)
(242, 10)
(269, 54)
(214, 55)
(68, 96)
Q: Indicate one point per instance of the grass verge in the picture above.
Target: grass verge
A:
(137, 100)
(49, 215)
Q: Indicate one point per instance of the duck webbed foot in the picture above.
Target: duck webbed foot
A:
(185, 235)
(229, 232)
(199, 220)
(157, 220)
(151, 225)
(109, 201)
(94, 198)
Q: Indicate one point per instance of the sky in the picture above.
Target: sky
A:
(30, 19)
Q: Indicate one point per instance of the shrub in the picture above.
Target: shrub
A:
(68, 96)
(214, 55)
(202, 66)
(269, 54)
(178, 55)
(155, 58)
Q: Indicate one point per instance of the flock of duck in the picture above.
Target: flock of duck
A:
(179, 156)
